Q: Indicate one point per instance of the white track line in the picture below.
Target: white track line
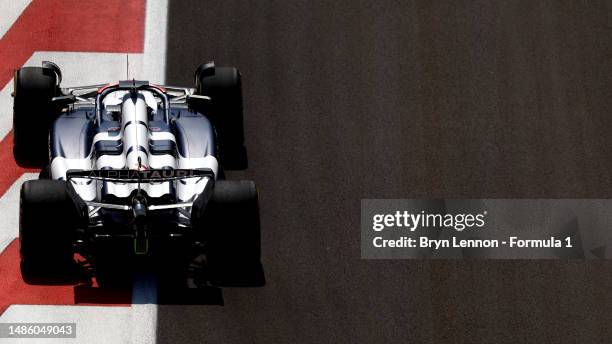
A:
(11, 10)
(156, 28)
(144, 310)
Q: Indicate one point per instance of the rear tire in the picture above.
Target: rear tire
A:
(224, 86)
(47, 225)
(231, 230)
(33, 113)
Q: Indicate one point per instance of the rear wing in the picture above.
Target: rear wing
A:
(140, 176)
(143, 176)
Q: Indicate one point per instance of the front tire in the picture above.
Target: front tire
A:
(224, 86)
(33, 113)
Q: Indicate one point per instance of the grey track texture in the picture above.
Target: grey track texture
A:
(349, 99)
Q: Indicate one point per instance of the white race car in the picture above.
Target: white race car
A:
(132, 170)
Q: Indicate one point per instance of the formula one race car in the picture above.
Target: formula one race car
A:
(132, 169)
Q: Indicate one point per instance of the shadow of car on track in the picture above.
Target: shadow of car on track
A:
(199, 285)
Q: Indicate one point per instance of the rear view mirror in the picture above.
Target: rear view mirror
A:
(198, 102)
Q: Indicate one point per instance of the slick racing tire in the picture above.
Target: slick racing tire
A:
(224, 86)
(231, 231)
(33, 113)
(48, 220)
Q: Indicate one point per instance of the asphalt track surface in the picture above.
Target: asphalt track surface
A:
(347, 100)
